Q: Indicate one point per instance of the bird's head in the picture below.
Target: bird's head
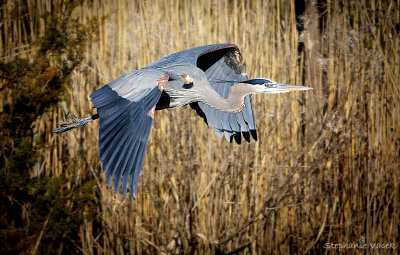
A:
(265, 86)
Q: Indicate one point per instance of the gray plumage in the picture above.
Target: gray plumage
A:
(210, 78)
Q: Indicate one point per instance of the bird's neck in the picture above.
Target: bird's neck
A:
(235, 101)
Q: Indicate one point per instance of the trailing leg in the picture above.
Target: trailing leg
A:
(75, 123)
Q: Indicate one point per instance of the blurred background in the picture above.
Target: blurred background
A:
(325, 169)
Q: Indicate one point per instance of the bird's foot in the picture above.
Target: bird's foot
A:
(75, 123)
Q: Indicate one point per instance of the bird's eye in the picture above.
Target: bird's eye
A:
(188, 85)
(268, 83)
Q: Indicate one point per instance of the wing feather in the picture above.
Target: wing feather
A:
(121, 163)
(125, 123)
(116, 162)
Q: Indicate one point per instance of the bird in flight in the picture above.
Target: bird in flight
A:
(211, 79)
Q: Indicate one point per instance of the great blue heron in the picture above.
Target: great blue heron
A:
(211, 78)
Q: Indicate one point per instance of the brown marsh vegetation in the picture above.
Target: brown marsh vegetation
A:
(326, 165)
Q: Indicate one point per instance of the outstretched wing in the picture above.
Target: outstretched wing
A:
(222, 75)
(126, 107)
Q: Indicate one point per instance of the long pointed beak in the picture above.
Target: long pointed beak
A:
(283, 88)
(263, 85)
